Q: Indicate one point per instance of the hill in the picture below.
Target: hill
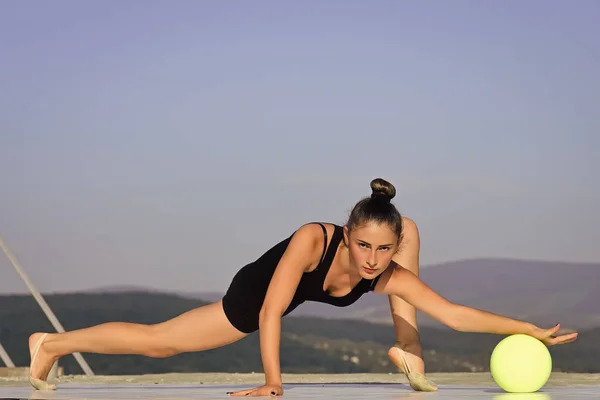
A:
(309, 344)
(538, 291)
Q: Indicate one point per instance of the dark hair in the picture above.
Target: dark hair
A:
(377, 208)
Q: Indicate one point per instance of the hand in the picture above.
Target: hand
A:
(265, 390)
(547, 337)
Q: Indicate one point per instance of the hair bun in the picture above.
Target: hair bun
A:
(382, 189)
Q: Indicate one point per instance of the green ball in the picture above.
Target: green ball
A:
(521, 364)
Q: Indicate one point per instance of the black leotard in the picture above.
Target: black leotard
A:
(245, 296)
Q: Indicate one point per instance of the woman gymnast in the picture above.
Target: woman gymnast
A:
(376, 250)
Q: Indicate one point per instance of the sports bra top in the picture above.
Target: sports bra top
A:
(311, 284)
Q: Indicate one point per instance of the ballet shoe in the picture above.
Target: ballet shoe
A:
(419, 382)
(37, 383)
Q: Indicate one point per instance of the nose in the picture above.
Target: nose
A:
(372, 260)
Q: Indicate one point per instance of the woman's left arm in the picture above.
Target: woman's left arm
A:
(406, 285)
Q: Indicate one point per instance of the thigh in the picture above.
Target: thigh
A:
(202, 328)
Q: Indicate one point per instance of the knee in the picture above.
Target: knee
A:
(159, 345)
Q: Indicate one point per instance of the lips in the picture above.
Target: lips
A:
(369, 270)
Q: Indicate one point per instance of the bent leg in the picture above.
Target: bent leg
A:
(203, 328)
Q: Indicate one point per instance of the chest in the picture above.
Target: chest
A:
(318, 288)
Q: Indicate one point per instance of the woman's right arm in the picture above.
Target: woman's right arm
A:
(303, 250)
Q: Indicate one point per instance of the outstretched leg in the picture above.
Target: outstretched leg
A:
(199, 329)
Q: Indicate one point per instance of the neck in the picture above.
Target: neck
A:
(346, 266)
(344, 259)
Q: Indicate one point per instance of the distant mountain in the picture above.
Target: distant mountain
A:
(541, 292)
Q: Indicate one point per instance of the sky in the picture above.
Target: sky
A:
(166, 144)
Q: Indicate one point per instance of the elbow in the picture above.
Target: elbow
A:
(455, 326)
(268, 313)
(455, 319)
(263, 314)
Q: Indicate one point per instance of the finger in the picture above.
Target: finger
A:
(240, 393)
(567, 338)
(261, 393)
(549, 333)
(562, 339)
(553, 330)
(568, 341)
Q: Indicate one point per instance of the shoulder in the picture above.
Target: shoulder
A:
(410, 234)
(311, 232)
(405, 263)
(309, 238)
(410, 246)
(409, 227)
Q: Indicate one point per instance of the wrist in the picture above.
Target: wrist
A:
(531, 329)
(273, 381)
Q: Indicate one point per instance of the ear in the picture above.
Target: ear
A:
(346, 235)
(401, 239)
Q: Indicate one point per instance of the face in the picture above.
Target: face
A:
(371, 248)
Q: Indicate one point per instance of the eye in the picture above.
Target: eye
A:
(386, 248)
(363, 245)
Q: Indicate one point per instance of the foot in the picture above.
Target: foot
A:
(405, 361)
(41, 362)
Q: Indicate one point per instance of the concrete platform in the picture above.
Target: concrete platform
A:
(348, 386)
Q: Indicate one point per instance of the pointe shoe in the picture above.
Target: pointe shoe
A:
(417, 381)
(35, 382)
